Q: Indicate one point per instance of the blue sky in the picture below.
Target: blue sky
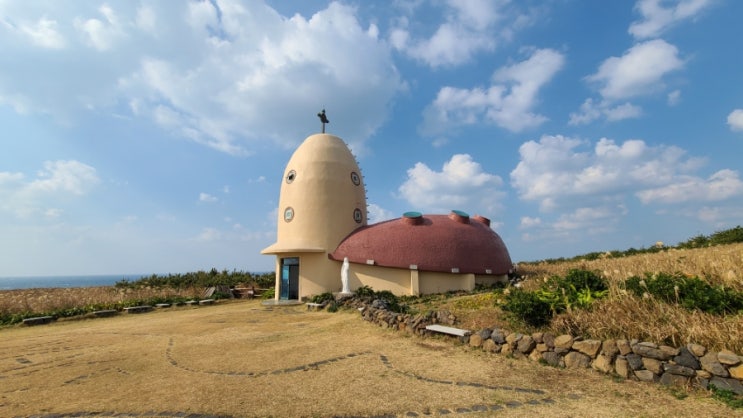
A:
(151, 137)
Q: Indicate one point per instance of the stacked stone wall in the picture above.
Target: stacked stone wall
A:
(692, 364)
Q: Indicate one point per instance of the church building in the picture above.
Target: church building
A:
(323, 229)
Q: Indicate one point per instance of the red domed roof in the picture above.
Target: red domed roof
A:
(442, 243)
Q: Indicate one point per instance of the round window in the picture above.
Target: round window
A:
(291, 176)
(355, 178)
(288, 214)
(357, 216)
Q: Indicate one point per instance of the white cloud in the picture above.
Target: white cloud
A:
(508, 102)
(209, 234)
(250, 73)
(735, 120)
(674, 97)
(655, 18)
(590, 111)
(44, 33)
(461, 184)
(529, 222)
(53, 185)
(638, 72)
(206, 197)
(379, 214)
(557, 173)
(721, 185)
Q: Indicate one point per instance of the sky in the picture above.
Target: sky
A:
(151, 137)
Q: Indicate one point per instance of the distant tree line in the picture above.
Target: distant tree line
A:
(202, 278)
(727, 236)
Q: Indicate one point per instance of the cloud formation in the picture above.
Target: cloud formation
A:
(735, 120)
(461, 184)
(508, 102)
(657, 16)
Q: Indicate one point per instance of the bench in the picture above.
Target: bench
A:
(206, 302)
(315, 306)
(138, 309)
(105, 313)
(163, 305)
(39, 320)
(448, 330)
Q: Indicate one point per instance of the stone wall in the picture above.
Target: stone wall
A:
(631, 359)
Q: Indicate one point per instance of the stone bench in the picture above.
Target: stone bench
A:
(206, 302)
(315, 306)
(448, 330)
(138, 309)
(163, 305)
(191, 302)
(39, 320)
(105, 313)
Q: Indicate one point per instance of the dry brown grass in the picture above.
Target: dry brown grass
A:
(626, 316)
(51, 299)
(242, 359)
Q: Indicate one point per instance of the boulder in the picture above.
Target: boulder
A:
(646, 375)
(552, 358)
(711, 364)
(736, 372)
(542, 347)
(535, 355)
(653, 365)
(635, 361)
(602, 363)
(624, 347)
(696, 349)
(679, 370)
(489, 345)
(485, 334)
(513, 338)
(538, 337)
(687, 359)
(576, 360)
(475, 340)
(728, 357)
(609, 348)
(621, 367)
(670, 351)
(498, 337)
(647, 350)
(564, 341)
(727, 384)
(549, 339)
(587, 347)
(526, 344)
(670, 379)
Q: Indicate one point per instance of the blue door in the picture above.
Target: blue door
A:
(289, 278)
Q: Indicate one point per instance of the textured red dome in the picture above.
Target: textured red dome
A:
(431, 242)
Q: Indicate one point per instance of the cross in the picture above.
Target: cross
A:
(323, 119)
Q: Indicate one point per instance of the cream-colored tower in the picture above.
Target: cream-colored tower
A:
(322, 200)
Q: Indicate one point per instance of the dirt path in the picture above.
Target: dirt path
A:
(243, 359)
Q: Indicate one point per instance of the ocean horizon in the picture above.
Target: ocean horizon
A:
(31, 282)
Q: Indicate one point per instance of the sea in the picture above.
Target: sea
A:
(30, 282)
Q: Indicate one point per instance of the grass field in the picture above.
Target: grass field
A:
(243, 359)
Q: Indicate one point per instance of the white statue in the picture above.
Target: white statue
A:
(344, 276)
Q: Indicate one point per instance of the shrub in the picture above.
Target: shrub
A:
(689, 292)
(528, 307)
(322, 297)
(363, 292)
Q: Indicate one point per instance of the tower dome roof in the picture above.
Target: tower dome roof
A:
(440, 243)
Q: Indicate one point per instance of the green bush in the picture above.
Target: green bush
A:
(528, 307)
(322, 297)
(689, 292)
(363, 292)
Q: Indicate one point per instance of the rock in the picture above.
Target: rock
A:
(646, 375)
(564, 341)
(526, 344)
(696, 349)
(475, 340)
(704, 374)
(561, 351)
(498, 337)
(647, 344)
(728, 357)
(736, 372)
(670, 379)
(624, 347)
(647, 350)
(711, 364)
(679, 370)
(489, 345)
(542, 347)
(635, 361)
(653, 365)
(535, 355)
(576, 360)
(506, 349)
(513, 338)
(727, 384)
(621, 367)
(670, 351)
(485, 334)
(687, 359)
(602, 363)
(538, 337)
(609, 348)
(552, 358)
(587, 347)
(549, 339)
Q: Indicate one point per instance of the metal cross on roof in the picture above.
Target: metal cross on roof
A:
(323, 119)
